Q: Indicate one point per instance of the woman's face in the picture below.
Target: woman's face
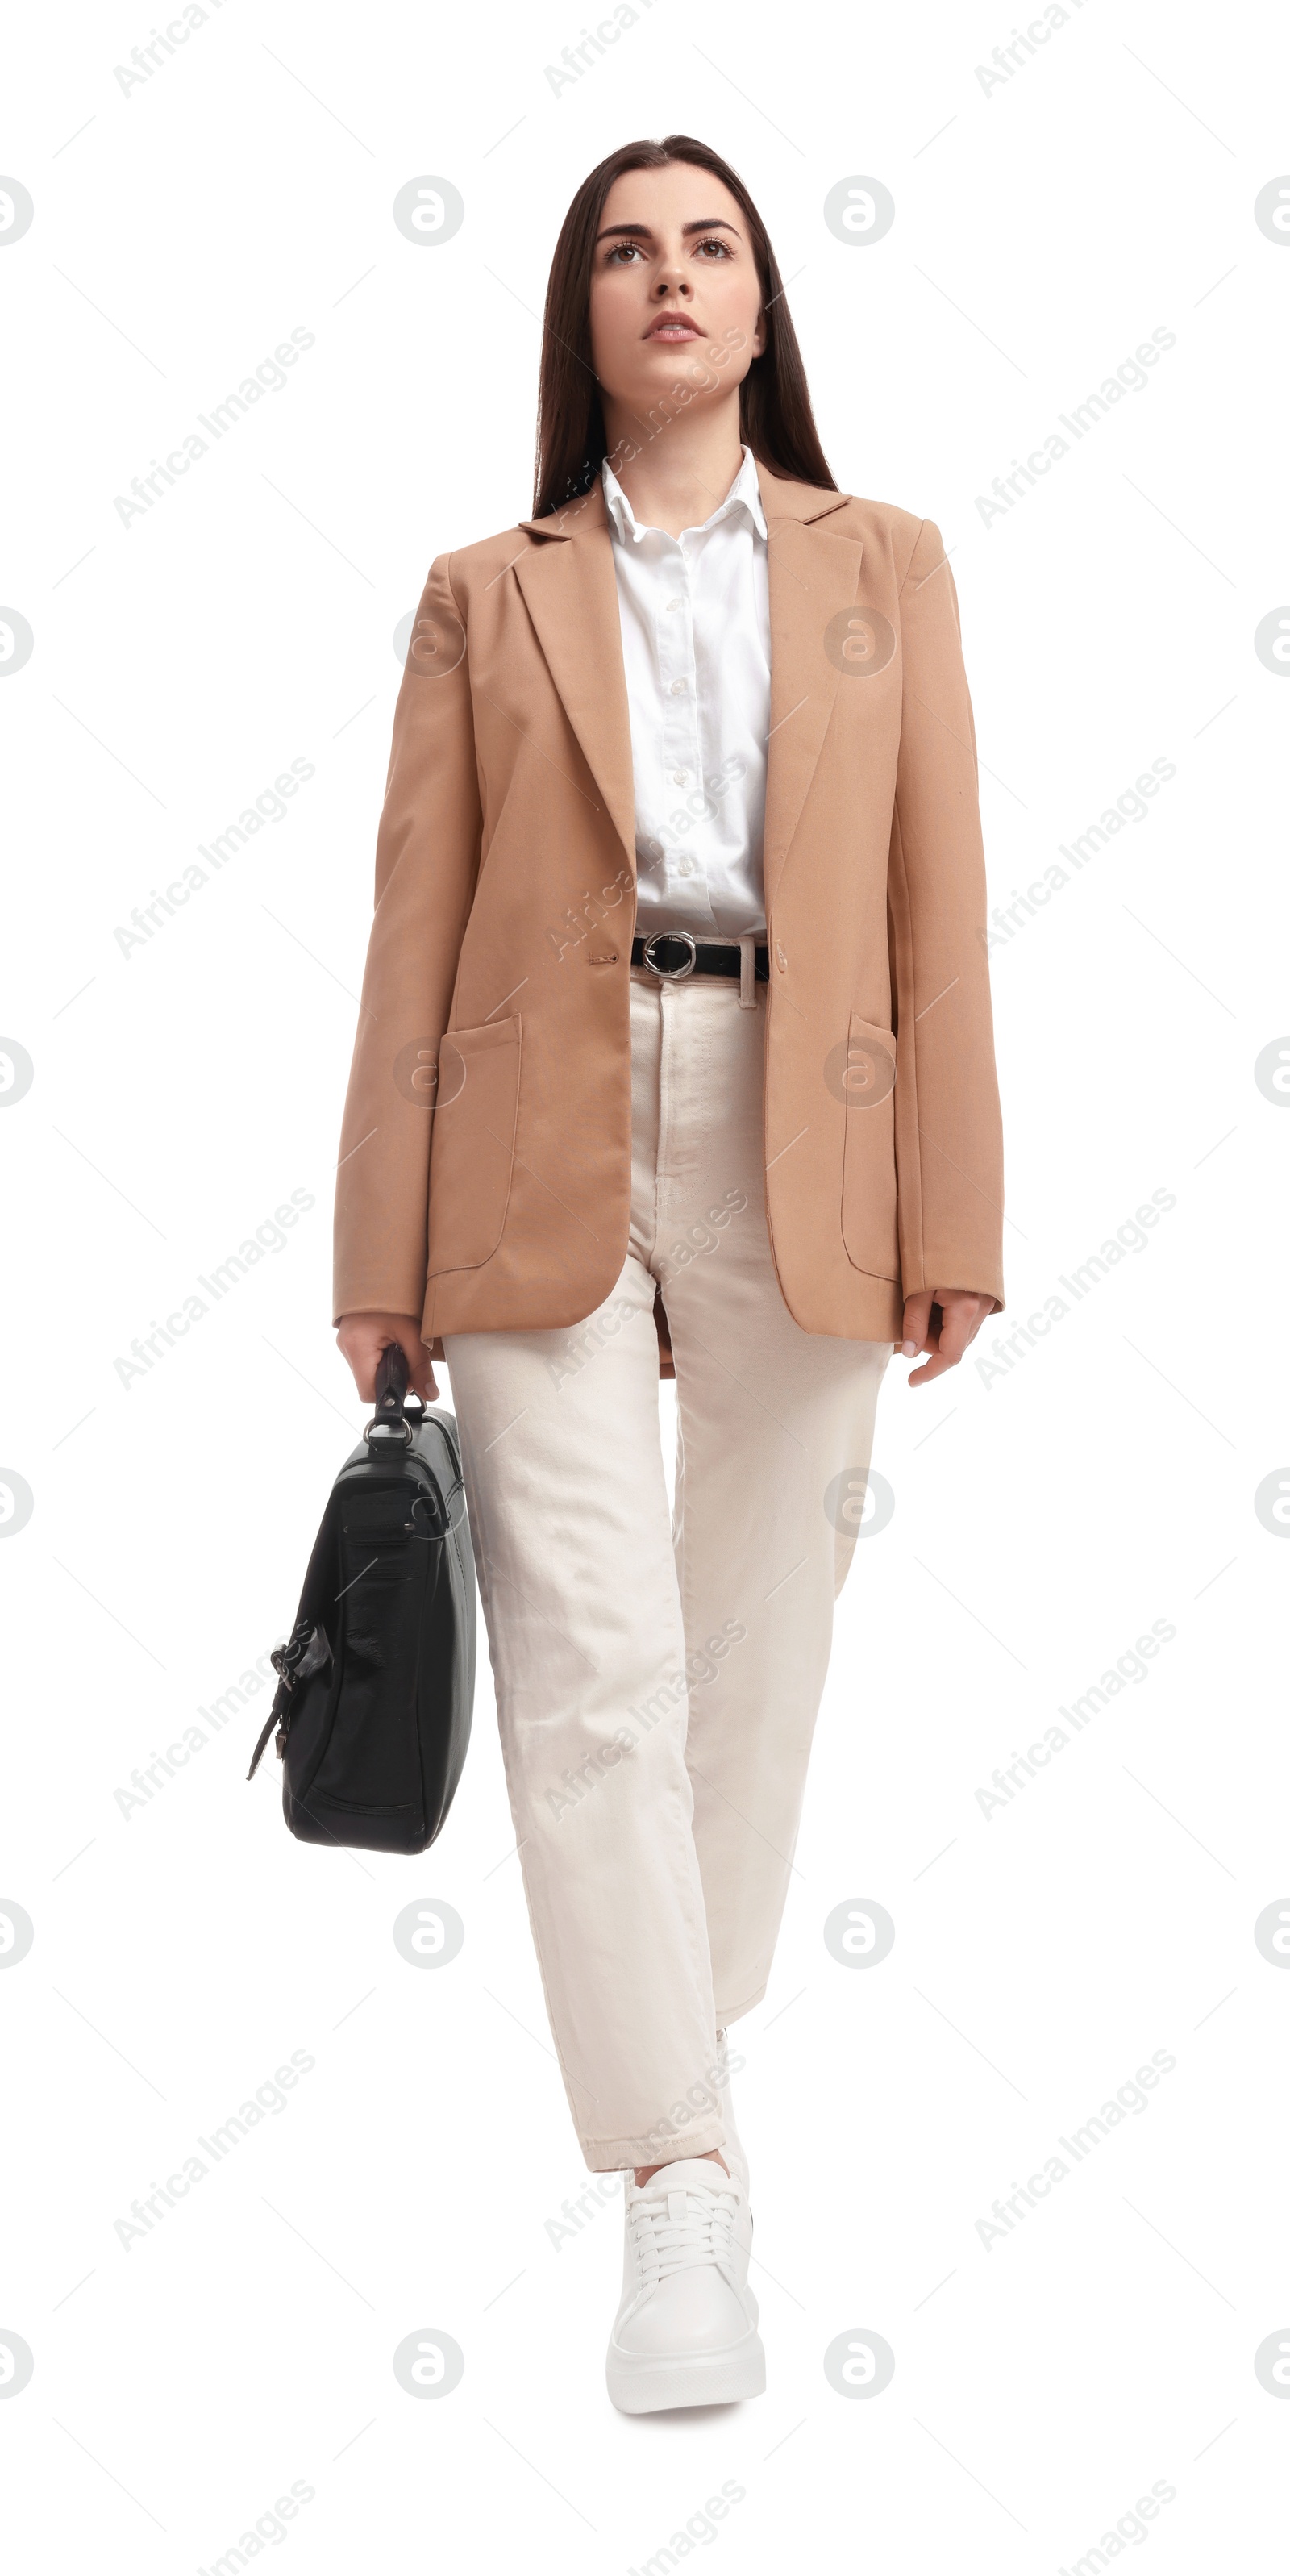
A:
(673, 286)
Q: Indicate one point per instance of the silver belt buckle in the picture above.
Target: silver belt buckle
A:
(671, 974)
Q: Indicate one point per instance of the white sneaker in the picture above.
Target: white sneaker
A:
(686, 2329)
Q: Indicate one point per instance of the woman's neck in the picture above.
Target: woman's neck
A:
(685, 462)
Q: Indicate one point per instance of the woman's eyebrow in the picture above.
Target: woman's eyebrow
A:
(643, 232)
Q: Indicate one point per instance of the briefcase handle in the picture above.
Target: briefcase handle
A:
(391, 1378)
(393, 1414)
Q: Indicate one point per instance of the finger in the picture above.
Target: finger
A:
(953, 1340)
(935, 1366)
(420, 1371)
(918, 1315)
(961, 1316)
(362, 1358)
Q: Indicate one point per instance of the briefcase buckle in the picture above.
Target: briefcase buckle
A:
(385, 1428)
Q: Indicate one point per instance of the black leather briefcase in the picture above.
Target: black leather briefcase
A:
(377, 1679)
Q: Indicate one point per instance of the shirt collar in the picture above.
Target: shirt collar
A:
(744, 493)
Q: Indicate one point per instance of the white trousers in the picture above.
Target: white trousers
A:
(658, 1676)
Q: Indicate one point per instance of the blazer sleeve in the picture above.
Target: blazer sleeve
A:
(949, 1146)
(427, 862)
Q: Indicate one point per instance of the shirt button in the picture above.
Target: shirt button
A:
(679, 777)
(676, 603)
(678, 688)
(685, 868)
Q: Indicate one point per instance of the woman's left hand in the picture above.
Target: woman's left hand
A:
(941, 1321)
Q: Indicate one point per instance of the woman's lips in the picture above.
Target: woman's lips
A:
(675, 327)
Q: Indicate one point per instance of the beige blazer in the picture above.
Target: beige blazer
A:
(485, 1168)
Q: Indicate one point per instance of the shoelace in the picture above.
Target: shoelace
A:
(674, 2230)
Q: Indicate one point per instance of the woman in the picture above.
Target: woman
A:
(675, 1055)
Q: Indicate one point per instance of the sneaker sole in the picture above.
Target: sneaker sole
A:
(643, 2384)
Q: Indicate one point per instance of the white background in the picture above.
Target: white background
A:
(1043, 1521)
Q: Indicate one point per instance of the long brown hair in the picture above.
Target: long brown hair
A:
(775, 416)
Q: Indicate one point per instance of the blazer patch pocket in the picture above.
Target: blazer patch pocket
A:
(869, 1227)
(472, 1146)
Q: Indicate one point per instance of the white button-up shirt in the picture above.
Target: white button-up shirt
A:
(695, 617)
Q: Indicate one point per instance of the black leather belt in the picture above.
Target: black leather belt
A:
(673, 954)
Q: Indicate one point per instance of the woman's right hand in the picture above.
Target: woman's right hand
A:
(362, 1338)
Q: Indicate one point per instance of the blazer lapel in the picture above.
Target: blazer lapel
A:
(567, 579)
(813, 575)
(569, 588)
